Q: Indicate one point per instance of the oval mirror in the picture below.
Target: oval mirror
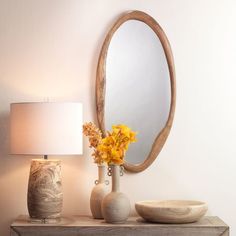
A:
(136, 85)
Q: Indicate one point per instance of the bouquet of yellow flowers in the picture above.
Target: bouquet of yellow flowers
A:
(112, 148)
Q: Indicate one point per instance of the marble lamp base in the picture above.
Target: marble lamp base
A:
(45, 191)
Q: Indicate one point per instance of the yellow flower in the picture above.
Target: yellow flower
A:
(114, 146)
(95, 136)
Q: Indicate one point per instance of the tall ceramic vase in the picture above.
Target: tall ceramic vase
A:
(99, 191)
(116, 205)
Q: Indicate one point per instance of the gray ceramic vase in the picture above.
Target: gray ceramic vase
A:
(99, 191)
(115, 205)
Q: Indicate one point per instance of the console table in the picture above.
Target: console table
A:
(86, 226)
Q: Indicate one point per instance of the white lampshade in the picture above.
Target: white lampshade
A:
(46, 128)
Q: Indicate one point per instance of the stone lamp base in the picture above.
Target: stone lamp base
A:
(45, 191)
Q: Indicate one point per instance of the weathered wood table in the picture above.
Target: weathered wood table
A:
(86, 226)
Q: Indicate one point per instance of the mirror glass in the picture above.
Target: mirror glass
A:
(138, 86)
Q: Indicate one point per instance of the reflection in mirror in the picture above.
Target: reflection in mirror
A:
(138, 90)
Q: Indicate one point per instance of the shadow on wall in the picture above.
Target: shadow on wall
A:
(9, 163)
(93, 67)
(4, 137)
(11, 169)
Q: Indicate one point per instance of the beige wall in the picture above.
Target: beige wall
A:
(49, 49)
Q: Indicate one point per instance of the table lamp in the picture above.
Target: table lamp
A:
(45, 129)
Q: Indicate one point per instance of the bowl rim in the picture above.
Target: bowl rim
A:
(197, 203)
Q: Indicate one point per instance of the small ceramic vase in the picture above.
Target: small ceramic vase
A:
(115, 205)
(99, 191)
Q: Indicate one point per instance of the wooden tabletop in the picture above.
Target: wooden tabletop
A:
(86, 225)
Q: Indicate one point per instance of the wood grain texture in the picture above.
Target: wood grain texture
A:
(171, 211)
(45, 189)
(84, 225)
(101, 84)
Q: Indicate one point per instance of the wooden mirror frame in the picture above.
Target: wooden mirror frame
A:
(101, 85)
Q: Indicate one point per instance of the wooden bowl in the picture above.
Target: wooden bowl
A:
(171, 211)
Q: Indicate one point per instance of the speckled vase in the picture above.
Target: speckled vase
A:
(99, 191)
(45, 190)
(115, 205)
